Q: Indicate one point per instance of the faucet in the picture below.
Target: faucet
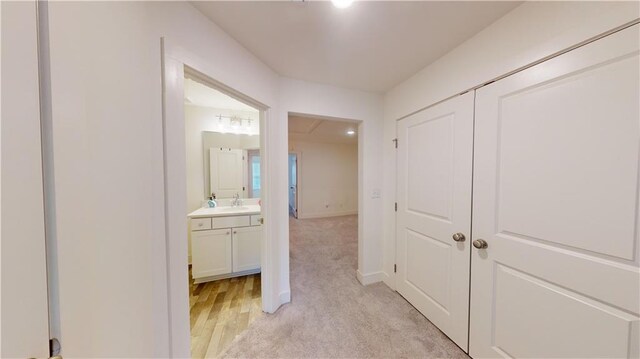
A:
(236, 200)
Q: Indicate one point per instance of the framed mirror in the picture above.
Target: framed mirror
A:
(231, 165)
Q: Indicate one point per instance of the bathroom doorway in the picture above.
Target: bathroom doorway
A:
(183, 69)
(224, 234)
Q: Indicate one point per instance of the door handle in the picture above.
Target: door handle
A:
(458, 237)
(480, 244)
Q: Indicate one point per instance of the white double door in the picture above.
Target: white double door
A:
(555, 198)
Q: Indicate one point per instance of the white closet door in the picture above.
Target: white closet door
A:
(24, 312)
(435, 149)
(556, 199)
(226, 172)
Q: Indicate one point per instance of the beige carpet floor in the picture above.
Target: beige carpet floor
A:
(331, 315)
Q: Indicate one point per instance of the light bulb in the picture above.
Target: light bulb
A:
(341, 4)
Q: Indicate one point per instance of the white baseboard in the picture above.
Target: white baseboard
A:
(370, 278)
(284, 297)
(325, 215)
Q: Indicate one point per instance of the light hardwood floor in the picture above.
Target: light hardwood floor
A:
(220, 311)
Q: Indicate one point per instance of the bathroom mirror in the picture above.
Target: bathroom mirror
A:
(231, 164)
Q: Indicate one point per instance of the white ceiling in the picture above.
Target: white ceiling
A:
(198, 94)
(371, 45)
(321, 130)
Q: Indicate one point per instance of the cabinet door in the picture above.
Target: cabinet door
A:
(435, 150)
(246, 248)
(556, 199)
(211, 252)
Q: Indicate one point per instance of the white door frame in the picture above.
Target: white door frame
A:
(25, 257)
(173, 261)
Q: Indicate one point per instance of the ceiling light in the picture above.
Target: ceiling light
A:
(351, 132)
(341, 4)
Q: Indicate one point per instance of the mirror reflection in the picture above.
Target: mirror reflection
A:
(231, 165)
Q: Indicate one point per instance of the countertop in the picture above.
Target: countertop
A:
(225, 211)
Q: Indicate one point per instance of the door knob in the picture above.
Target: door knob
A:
(458, 237)
(480, 243)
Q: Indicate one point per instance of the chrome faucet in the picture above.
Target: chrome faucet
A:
(236, 200)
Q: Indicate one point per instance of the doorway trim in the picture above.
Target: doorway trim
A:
(173, 259)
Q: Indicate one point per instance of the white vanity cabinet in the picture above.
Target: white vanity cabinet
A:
(246, 248)
(211, 254)
(224, 246)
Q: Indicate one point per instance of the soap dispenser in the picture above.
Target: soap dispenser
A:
(212, 201)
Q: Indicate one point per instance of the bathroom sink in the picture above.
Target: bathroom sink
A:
(232, 209)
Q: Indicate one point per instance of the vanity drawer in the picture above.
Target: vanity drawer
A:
(228, 222)
(200, 224)
(255, 220)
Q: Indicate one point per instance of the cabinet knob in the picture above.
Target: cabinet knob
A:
(228, 232)
(235, 232)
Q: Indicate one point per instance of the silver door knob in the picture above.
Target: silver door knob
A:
(480, 243)
(458, 237)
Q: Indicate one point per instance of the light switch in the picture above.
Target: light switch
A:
(375, 193)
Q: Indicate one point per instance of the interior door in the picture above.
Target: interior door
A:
(556, 201)
(293, 184)
(435, 149)
(24, 311)
(226, 172)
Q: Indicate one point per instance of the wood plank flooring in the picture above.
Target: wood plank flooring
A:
(221, 310)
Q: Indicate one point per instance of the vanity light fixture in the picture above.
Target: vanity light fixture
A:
(351, 132)
(341, 4)
(235, 125)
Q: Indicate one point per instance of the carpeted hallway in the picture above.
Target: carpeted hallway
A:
(331, 315)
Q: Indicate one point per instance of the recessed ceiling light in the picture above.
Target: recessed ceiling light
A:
(341, 4)
(351, 132)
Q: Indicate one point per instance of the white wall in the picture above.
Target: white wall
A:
(327, 178)
(322, 100)
(108, 152)
(530, 32)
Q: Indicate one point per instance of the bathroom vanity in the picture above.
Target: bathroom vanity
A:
(225, 242)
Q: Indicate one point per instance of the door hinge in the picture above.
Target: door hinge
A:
(395, 268)
(395, 142)
(396, 206)
(244, 188)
